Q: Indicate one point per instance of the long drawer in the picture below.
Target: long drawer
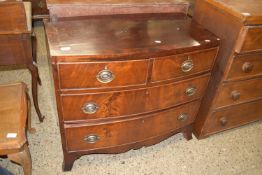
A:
(234, 116)
(120, 103)
(84, 137)
(102, 74)
(170, 67)
(252, 39)
(239, 92)
(245, 66)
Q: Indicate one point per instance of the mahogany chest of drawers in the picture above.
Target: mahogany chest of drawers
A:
(234, 95)
(127, 81)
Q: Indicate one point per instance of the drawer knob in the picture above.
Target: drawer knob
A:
(187, 65)
(105, 76)
(182, 117)
(191, 91)
(90, 108)
(92, 138)
(235, 95)
(223, 121)
(247, 67)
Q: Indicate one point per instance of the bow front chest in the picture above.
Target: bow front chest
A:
(127, 81)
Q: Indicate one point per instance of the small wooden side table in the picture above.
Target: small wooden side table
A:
(14, 105)
(18, 43)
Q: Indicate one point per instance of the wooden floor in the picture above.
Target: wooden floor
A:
(234, 152)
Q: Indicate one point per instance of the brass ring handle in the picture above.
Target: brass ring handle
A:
(187, 65)
(247, 67)
(191, 91)
(182, 117)
(90, 108)
(105, 76)
(92, 138)
(235, 95)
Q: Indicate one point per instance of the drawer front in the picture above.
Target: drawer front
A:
(114, 104)
(238, 92)
(253, 39)
(102, 74)
(129, 131)
(245, 66)
(171, 67)
(234, 116)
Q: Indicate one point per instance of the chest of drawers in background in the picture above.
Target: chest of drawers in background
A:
(234, 96)
(123, 82)
(39, 9)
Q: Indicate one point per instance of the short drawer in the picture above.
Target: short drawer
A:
(83, 137)
(239, 92)
(252, 40)
(120, 103)
(234, 116)
(170, 67)
(102, 74)
(245, 66)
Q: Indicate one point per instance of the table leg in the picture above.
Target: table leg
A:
(29, 125)
(34, 53)
(34, 46)
(34, 72)
(23, 158)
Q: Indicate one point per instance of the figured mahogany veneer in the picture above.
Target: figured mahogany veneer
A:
(130, 102)
(83, 74)
(169, 67)
(127, 81)
(234, 91)
(131, 130)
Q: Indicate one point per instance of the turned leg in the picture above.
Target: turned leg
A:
(23, 158)
(29, 125)
(69, 161)
(34, 72)
(187, 132)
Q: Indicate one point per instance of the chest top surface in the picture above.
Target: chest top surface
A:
(248, 11)
(122, 35)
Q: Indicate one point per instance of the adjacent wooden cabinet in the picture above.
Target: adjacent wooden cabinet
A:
(127, 81)
(39, 9)
(234, 95)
